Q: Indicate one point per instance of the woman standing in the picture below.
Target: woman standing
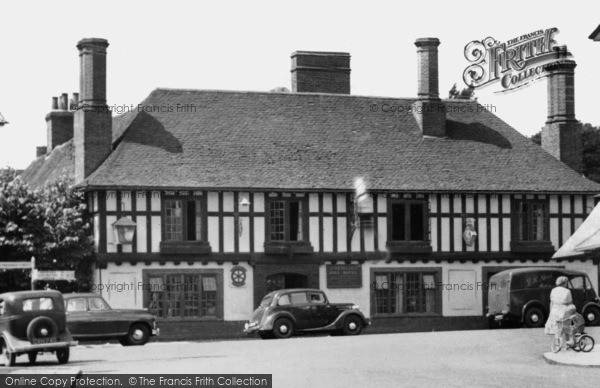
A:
(560, 298)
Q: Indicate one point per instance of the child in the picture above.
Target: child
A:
(576, 324)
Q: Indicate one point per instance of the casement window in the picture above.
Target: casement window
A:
(408, 227)
(532, 221)
(183, 220)
(408, 221)
(286, 220)
(185, 295)
(413, 292)
(286, 228)
(184, 226)
(530, 226)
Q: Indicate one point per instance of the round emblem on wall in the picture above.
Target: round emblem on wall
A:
(238, 276)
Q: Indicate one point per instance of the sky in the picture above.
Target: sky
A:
(246, 45)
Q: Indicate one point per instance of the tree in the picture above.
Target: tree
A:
(50, 224)
(21, 218)
(67, 242)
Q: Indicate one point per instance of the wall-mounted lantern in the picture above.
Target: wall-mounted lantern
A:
(124, 229)
(244, 202)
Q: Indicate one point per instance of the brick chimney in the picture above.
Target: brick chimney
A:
(59, 123)
(561, 136)
(93, 120)
(429, 110)
(320, 72)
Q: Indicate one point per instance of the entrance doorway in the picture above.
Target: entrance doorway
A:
(281, 281)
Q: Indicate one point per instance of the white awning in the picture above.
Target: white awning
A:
(586, 238)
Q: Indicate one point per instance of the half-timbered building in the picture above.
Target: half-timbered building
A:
(405, 206)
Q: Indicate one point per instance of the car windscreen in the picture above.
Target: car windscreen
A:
(266, 301)
(36, 304)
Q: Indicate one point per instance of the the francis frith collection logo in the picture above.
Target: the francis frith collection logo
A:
(514, 63)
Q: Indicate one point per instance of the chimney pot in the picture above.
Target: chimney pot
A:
(54, 103)
(63, 101)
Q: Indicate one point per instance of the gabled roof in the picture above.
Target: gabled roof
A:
(262, 140)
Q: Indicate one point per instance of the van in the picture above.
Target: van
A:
(522, 296)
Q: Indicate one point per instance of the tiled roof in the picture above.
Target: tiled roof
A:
(257, 140)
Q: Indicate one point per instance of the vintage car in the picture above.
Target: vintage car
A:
(89, 317)
(522, 296)
(286, 312)
(32, 322)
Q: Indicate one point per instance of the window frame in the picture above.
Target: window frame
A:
(201, 201)
(437, 307)
(219, 300)
(407, 244)
(304, 217)
(519, 245)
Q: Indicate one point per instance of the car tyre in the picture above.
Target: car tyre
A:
(534, 317)
(283, 328)
(353, 325)
(62, 355)
(6, 356)
(32, 357)
(138, 334)
(41, 327)
(592, 316)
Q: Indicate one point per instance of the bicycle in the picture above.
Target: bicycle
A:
(582, 342)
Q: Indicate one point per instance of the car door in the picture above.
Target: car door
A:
(300, 309)
(320, 310)
(79, 320)
(107, 320)
(577, 287)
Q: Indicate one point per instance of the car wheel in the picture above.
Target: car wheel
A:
(592, 316)
(283, 328)
(62, 355)
(7, 357)
(138, 334)
(32, 357)
(534, 317)
(41, 328)
(352, 325)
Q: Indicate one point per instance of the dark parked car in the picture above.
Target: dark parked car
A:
(523, 296)
(285, 312)
(32, 322)
(89, 317)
